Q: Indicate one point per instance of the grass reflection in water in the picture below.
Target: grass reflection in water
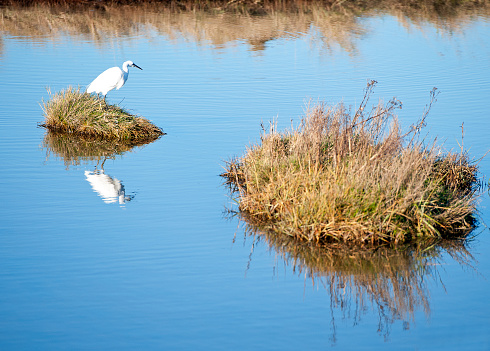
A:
(75, 149)
(393, 281)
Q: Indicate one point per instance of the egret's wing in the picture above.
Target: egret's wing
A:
(94, 87)
(124, 77)
(90, 88)
(106, 81)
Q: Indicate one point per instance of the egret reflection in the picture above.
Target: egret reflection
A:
(77, 150)
(110, 189)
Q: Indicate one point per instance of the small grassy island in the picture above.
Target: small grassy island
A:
(355, 178)
(79, 113)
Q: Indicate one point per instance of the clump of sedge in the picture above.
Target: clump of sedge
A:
(72, 111)
(354, 178)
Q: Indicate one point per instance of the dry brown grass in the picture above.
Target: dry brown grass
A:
(71, 111)
(354, 178)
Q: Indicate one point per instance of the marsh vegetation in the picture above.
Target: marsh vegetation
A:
(356, 177)
(75, 112)
(211, 76)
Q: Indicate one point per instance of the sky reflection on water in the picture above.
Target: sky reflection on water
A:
(164, 270)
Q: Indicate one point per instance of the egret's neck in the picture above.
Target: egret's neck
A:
(125, 67)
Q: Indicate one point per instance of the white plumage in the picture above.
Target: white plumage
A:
(111, 78)
(111, 190)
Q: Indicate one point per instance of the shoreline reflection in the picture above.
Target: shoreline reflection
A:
(332, 27)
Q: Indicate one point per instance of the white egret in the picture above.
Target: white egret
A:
(111, 78)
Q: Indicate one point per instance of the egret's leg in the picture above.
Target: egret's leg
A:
(99, 95)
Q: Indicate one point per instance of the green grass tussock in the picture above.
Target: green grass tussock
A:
(72, 111)
(354, 178)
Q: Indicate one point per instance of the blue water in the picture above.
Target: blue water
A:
(164, 269)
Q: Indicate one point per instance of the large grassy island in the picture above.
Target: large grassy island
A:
(355, 177)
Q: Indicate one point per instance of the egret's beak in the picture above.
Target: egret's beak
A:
(135, 65)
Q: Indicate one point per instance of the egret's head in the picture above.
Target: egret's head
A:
(131, 64)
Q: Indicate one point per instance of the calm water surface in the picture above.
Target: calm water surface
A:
(160, 266)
